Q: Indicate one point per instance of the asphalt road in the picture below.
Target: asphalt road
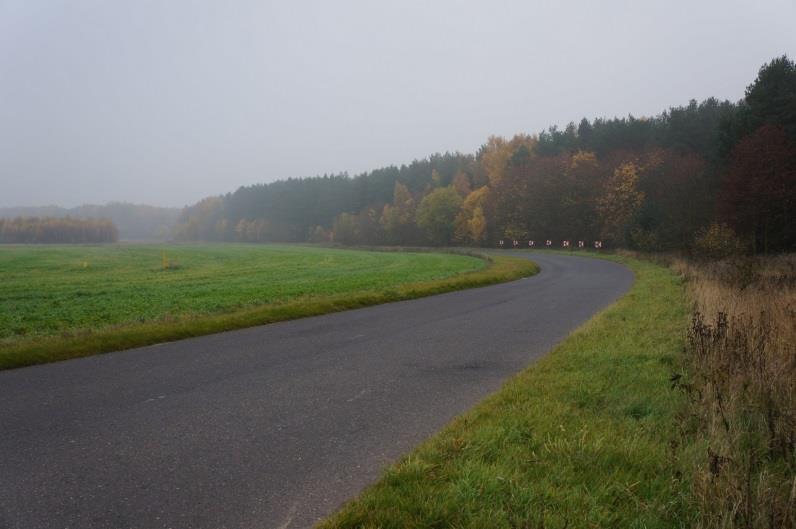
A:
(272, 426)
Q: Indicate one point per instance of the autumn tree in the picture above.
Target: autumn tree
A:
(526, 201)
(476, 226)
(240, 230)
(496, 154)
(50, 230)
(437, 212)
(398, 219)
(366, 227)
(390, 224)
(222, 230)
(344, 229)
(470, 224)
(619, 201)
(509, 199)
(461, 182)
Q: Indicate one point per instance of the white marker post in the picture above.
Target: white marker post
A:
(501, 243)
(516, 243)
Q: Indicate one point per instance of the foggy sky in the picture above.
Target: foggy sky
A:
(165, 102)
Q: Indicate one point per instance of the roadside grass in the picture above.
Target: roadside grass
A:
(582, 438)
(226, 287)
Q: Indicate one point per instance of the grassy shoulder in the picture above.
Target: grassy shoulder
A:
(579, 439)
(300, 291)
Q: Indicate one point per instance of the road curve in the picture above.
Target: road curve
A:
(272, 426)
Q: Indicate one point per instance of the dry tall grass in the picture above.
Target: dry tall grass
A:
(741, 377)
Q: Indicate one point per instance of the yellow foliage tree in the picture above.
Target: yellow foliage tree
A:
(397, 219)
(477, 225)
(470, 224)
(619, 201)
(461, 183)
(497, 152)
(583, 160)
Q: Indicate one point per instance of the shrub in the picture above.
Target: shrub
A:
(644, 240)
(717, 241)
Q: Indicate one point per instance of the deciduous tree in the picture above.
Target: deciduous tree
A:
(436, 214)
(619, 202)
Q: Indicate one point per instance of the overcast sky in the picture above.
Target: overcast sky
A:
(165, 102)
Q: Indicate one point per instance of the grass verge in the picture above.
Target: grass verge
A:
(125, 336)
(580, 439)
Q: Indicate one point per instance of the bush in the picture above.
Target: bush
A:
(717, 241)
(644, 240)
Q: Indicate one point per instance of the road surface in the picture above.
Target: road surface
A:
(272, 426)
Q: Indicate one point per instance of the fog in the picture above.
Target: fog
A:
(167, 102)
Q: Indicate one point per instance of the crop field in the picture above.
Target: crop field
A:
(60, 302)
(55, 289)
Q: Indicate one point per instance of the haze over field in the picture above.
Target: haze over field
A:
(166, 103)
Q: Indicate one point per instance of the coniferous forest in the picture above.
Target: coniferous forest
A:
(711, 176)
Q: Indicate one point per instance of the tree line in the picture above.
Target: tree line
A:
(135, 222)
(45, 230)
(694, 173)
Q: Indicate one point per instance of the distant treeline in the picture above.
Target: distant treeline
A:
(135, 222)
(40, 230)
(716, 172)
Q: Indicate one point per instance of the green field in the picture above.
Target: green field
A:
(49, 289)
(63, 301)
